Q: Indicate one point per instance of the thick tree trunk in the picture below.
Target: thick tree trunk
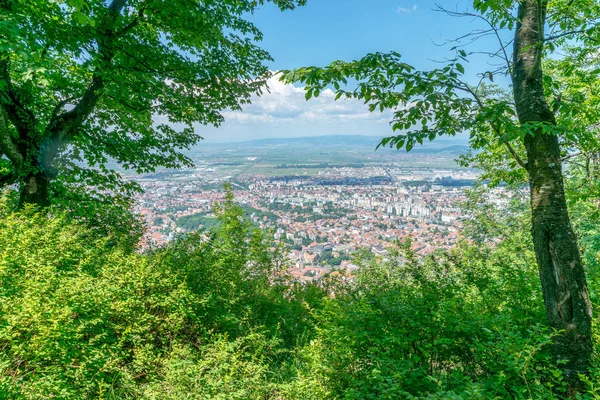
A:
(34, 190)
(564, 287)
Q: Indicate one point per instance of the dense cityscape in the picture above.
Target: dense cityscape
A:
(321, 212)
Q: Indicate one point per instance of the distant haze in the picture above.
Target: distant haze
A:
(363, 143)
(335, 140)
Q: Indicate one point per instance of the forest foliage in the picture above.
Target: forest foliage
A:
(212, 315)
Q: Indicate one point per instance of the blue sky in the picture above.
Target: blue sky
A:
(328, 30)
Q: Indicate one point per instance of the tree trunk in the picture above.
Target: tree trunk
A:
(34, 190)
(562, 276)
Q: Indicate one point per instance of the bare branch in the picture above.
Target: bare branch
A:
(572, 155)
(493, 30)
(569, 33)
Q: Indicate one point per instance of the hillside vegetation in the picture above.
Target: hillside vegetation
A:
(213, 316)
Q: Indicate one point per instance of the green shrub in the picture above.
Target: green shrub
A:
(81, 318)
(414, 328)
(213, 316)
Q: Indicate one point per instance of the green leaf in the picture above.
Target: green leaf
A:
(76, 4)
(80, 17)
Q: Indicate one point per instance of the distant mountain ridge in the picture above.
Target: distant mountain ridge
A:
(337, 140)
(331, 140)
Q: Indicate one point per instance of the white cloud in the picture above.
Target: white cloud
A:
(285, 104)
(405, 10)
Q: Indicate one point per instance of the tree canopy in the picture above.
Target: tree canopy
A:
(84, 83)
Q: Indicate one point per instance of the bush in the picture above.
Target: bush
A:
(410, 328)
(80, 318)
(212, 315)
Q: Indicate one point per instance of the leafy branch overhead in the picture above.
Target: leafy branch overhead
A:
(424, 104)
(125, 80)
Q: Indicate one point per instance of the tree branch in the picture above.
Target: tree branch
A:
(8, 179)
(511, 150)
(135, 22)
(517, 158)
(493, 29)
(66, 124)
(22, 118)
(60, 106)
(569, 33)
(7, 146)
